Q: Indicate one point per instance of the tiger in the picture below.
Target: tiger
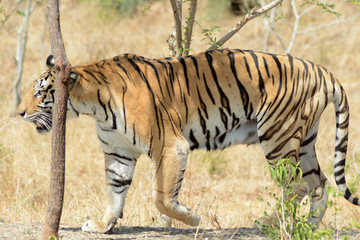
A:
(164, 108)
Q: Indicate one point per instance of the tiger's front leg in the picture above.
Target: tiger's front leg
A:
(119, 169)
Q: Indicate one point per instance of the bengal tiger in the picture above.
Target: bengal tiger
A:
(165, 108)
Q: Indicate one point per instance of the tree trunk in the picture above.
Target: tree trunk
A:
(20, 53)
(57, 177)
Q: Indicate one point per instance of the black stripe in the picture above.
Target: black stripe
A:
(202, 122)
(291, 63)
(143, 77)
(261, 80)
(83, 77)
(208, 90)
(202, 104)
(340, 172)
(344, 124)
(185, 74)
(101, 140)
(120, 156)
(102, 129)
(342, 146)
(193, 140)
(224, 118)
(124, 111)
(119, 181)
(134, 134)
(121, 191)
(222, 137)
(290, 98)
(113, 172)
(243, 93)
(195, 65)
(113, 116)
(266, 67)
(235, 121)
(72, 106)
(309, 140)
(150, 145)
(103, 77)
(180, 87)
(164, 65)
(171, 120)
(347, 194)
(186, 109)
(217, 132)
(280, 88)
(312, 171)
(341, 181)
(171, 77)
(156, 74)
(168, 90)
(92, 75)
(224, 99)
(125, 71)
(340, 164)
(208, 147)
(247, 67)
(102, 105)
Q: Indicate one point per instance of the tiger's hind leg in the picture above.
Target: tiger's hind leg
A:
(169, 169)
(283, 148)
(314, 177)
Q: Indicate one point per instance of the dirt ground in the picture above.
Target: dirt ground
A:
(33, 231)
(21, 231)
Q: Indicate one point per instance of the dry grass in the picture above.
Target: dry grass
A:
(224, 187)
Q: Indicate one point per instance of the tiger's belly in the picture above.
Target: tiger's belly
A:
(218, 137)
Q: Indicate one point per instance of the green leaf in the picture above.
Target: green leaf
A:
(21, 13)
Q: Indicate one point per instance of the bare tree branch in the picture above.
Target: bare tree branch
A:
(296, 25)
(328, 24)
(270, 25)
(20, 51)
(189, 27)
(8, 33)
(11, 13)
(177, 10)
(252, 14)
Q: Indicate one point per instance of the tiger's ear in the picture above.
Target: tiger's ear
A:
(73, 77)
(50, 61)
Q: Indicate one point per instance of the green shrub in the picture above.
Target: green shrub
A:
(288, 222)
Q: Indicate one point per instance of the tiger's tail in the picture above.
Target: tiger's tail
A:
(341, 141)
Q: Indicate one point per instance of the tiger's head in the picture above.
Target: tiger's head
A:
(39, 98)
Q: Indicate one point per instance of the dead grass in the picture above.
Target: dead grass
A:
(224, 187)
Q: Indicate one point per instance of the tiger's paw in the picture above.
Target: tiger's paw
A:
(97, 226)
(193, 220)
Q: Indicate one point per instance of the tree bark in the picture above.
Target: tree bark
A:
(189, 27)
(57, 177)
(177, 11)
